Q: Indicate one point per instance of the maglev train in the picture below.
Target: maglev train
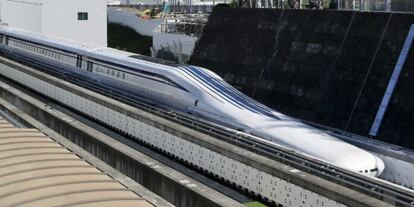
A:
(188, 89)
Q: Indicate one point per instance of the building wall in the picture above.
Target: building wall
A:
(59, 18)
(32, 10)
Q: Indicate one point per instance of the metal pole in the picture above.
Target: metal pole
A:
(392, 83)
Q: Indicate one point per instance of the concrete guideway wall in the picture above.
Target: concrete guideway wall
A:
(399, 161)
(162, 180)
(259, 175)
(37, 170)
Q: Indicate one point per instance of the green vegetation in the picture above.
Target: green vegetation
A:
(124, 38)
(254, 204)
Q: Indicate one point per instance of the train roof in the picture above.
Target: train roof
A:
(120, 54)
(49, 41)
(115, 55)
(103, 54)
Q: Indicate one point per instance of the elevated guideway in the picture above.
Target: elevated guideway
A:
(126, 162)
(263, 169)
(399, 160)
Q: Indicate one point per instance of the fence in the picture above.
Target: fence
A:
(377, 5)
(190, 9)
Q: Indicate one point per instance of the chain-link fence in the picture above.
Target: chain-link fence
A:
(377, 5)
(402, 5)
(365, 5)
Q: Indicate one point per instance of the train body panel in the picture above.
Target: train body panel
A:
(192, 90)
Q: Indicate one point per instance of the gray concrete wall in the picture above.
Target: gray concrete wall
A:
(163, 181)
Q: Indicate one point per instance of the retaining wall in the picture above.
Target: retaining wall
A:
(328, 67)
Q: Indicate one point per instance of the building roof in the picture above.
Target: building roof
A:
(35, 170)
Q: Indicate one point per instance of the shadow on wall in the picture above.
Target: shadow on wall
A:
(329, 67)
(124, 38)
(172, 53)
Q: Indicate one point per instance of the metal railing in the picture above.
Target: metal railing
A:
(377, 5)
(188, 9)
(371, 186)
(191, 25)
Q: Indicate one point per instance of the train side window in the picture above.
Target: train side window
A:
(89, 66)
(123, 75)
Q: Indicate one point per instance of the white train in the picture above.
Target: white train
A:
(188, 89)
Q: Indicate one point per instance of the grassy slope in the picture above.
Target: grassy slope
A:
(125, 38)
(254, 204)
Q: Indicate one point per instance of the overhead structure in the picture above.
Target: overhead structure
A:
(35, 170)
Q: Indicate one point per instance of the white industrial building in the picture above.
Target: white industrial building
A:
(79, 20)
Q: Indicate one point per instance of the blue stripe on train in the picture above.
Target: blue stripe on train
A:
(224, 90)
(243, 96)
(232, 93)
(220, 89)
(188, 72)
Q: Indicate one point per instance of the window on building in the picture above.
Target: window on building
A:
(82, 15)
